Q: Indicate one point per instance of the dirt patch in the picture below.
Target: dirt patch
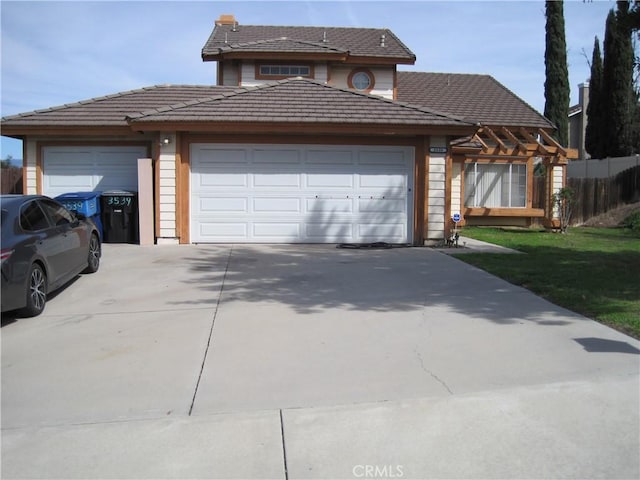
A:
(612, 218)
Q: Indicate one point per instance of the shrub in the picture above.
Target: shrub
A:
(633, 222)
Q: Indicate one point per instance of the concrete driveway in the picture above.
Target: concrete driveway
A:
(312, 362)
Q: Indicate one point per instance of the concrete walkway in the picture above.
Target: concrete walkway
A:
(312, 362)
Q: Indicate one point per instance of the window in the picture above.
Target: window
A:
(57, 213)
(285, 71)
(495, 185)
(32, 218)
(361, 79)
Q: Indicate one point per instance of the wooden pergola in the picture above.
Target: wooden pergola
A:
(519, 145)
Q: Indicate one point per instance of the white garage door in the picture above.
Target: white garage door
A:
(296, 193)
(90, 168)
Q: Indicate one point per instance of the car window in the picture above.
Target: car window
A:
(32, 217)
(57, 213)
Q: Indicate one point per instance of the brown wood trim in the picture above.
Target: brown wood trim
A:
(419, 194)
(530, 168)
(39, 168)
(302, 139)
(22, 131)
(448, 189)
(395, 82)
(495, 159)
(24, 166)
(462, 187)
(156, 187)
(378, 61)
(300, 128)
(503, 212)
(183, 194)
(283, 56)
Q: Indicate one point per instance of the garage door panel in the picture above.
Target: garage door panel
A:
(330, 180)
(371, 231)
(301, 194)
(223, 231)
(332, 231)
(383, 181)
(340, 158)
(277, 156)
(219, 157)
(380, 158)
(270, 180)
(273, 205)
(276, 231)
(69, 182)
(331, 205)
(382, 205)
(220, 179)
(223, 204)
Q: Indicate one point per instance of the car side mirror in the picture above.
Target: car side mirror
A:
(78, 216)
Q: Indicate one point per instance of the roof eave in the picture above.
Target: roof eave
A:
(317, 128)
(244, 55)
(21, 131)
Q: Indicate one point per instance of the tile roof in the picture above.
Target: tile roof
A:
(356, 41)
(297, 101)
(288, 101)
(112, 110)
(478, 98)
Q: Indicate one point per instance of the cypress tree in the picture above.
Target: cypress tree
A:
(556, 85)
(593, 137)
(617, 84)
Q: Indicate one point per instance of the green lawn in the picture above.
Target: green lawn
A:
(592, 271)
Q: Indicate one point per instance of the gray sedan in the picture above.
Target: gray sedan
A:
(44, 246)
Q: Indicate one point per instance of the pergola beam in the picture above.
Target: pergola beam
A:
(552, 141)
(533, 140)
(503, 148)
(507, 133)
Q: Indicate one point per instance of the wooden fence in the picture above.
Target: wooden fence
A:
(11, 180)
(594, 196)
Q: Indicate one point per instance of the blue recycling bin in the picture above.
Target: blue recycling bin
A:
(86, 203)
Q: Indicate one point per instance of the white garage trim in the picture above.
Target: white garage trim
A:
(90, 168)
(301, 193)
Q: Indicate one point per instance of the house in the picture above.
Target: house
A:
(578, 122)
(311, 134)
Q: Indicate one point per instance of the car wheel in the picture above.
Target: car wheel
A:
(93, 261)
(36, 291)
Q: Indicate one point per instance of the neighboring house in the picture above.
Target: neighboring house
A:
(311, 135)
(578, 122)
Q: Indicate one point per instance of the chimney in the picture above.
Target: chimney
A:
(583, 96)
(226, 19)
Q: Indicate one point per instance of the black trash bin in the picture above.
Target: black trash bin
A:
(119, 216)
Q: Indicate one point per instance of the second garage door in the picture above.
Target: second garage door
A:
(301, 193)
(90, 168)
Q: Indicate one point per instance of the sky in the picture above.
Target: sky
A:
(57, 52)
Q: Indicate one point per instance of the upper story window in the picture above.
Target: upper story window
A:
(361, 79)
(283, 71)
